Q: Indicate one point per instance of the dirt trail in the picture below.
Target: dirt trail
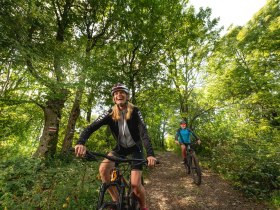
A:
(169, 188)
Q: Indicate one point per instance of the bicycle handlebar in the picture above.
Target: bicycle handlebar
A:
(114, 158)
(92, 155)
(191, 143)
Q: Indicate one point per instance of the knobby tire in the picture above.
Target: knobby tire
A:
(133, 202)
(195, 170)
(129, 202)
(187, 167)
(108, 206)
(101, 205)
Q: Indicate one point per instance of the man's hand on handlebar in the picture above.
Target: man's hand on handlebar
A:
(80, 150)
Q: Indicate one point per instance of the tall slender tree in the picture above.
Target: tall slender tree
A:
(185, 56)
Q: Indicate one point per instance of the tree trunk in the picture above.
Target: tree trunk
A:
(75, 113)
(162, 134)
(49, 138)
(132, 91)
(90, 99)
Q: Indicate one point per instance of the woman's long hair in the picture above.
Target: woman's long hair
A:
(116, 112)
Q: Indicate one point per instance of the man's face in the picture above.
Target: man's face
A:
(183, 125)
(120, 97)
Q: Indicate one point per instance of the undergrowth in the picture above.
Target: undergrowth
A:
(27, 183)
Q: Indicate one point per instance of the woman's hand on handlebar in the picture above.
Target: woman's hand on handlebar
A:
(80, 150)
(151, 161)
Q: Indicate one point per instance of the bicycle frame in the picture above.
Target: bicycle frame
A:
(126, 198)
(192, 165)
(122, 187)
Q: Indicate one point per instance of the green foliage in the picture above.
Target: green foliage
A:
(252, 167)
(20, 127)
(244, 151)
(156, 108)
(242, 129)
(56, 184)
(174, 64)
(170, 143)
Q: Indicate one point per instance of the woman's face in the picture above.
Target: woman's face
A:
(120, 97)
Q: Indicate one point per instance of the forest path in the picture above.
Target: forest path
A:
(168, 187)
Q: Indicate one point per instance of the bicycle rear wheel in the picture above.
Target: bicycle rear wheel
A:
(195, 170)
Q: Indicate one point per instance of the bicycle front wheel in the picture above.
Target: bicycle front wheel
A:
(103, 203)
(187, 165)
(195, 170)
(133, 203)
(109, 206)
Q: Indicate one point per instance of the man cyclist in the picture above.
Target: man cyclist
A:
(183, 136)
(127, 126)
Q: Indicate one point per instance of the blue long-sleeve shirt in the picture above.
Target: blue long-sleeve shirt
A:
(184, 135)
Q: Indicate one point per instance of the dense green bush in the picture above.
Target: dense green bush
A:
(35, 184)
(252, 167)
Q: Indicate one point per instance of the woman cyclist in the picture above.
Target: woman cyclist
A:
(128, 128)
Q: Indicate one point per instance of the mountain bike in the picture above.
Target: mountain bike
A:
(120, 180)
(192, 164)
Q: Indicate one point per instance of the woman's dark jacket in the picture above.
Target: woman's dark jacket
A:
(136, 126)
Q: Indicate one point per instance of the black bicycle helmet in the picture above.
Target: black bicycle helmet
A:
(119, 86)
(183, 122)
